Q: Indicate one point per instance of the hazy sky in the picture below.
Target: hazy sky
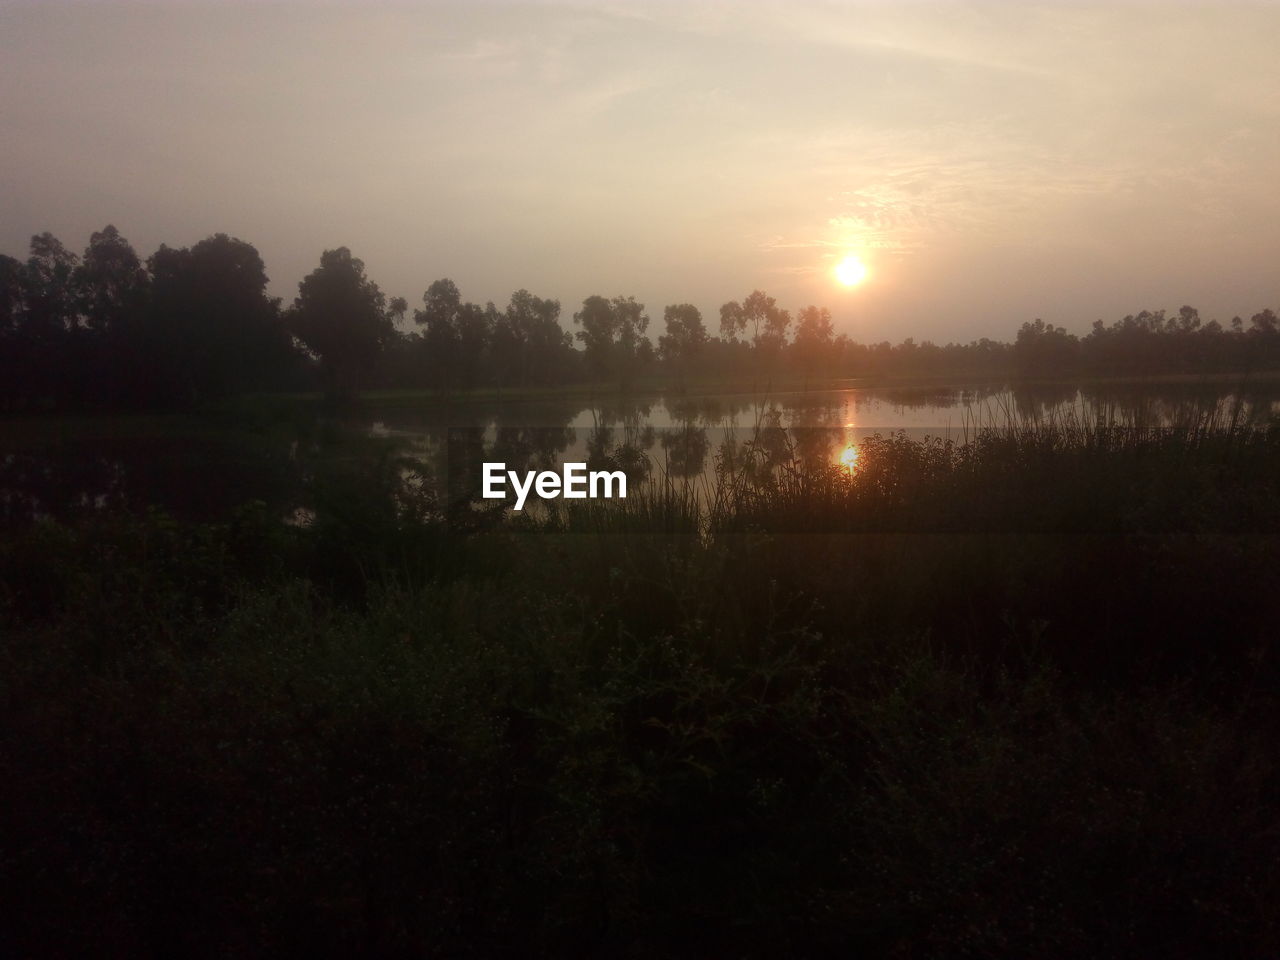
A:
(991, 163)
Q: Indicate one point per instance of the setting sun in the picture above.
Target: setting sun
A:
(851, 271)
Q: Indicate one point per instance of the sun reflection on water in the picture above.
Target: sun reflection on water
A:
(849, 457)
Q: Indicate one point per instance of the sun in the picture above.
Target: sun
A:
(849, 457)
(851, 271)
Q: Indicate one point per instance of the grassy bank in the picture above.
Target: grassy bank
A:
(1016, 698)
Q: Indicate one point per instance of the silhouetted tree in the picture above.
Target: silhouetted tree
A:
(634, 350)
(440, 318)
(685, 336)
(814, 333)
(758, 313)
(341, 315)
(111, 356)
(767, 322)
(112, 282)
(613, 337)
(213, 327)
(11, 347)
(598, 334)
(530, 341)
(475, 330)
(50, 311)
(1044, 349)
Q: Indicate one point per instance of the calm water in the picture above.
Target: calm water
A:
(199, 468)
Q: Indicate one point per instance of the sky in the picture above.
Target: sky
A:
(989, 163)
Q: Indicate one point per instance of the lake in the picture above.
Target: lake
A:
(204, 466)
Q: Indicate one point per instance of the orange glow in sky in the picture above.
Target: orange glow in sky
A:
(851, 271)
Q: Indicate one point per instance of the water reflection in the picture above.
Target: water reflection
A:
(432, 452)
(849, 457)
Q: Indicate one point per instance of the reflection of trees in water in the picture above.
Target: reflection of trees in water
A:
(708, 411)
(530, 448)
(915, 398)
(1038, 401)
(520, 448)
(620, 438)
(194, 477)
(686, 450)
(612, 448)
(770, 448)
(1178, 404)
(815, 447)
(622, 412)
(808, 410)
(685, 445)
(209, 472)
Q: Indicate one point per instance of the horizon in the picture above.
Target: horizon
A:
(989, 165)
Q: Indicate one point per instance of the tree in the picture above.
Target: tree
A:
(397, 307)
(11, 347)
(108, 356)
(1041, 348)
(51, 288)
(440, 316)
(814, 333)
(531, 342)
(48, 288)
(341, 316)
(613, 337)
(767, 322)
(475, 330)
(598, 334)
(111, 282)
(212, 328)
(634, 349)
(1265, 323)
(760, 313)
(685, 336)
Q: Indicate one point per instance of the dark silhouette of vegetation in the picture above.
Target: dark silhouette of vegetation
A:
(1008, 698)
(612, 335)
(342, 317)
(685, 337)
(193, 325)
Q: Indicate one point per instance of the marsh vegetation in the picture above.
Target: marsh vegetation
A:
(1008, 694)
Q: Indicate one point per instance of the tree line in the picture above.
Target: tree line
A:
(194, 324)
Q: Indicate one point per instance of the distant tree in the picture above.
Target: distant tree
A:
(475, 331)
(814, 335)
(758, 313)
(50, 311)
(598, 335)
(613, 336)
(537, 348)
(11, 346)
(212, 326)
(1265, 322)
(51, 287)
(109, 356)
(506, 348)
(112, 283)
(341, 316)
(768, 323)
(397, 307)
(634, 350)
(733, 322)
(685, 336)
(1043, 349)
(440, 319)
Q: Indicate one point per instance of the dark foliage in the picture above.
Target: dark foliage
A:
(1016, 700)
